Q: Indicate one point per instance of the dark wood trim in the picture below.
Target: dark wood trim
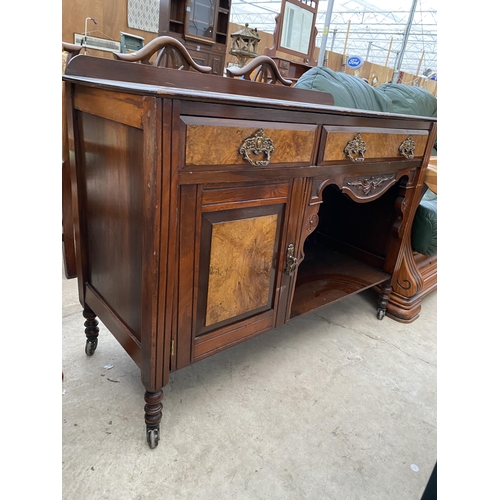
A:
(167, 255)
(221, 340)
(188, 203)
(152, 325)
(76, 159)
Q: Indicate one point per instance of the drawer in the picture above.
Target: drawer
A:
(260, 144)
(367, 143)
(284, 64)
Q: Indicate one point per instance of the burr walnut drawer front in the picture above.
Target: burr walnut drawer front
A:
(246, 143)
(357, 144)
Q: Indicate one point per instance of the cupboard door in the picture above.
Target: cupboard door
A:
(237, 272)
(231, 256)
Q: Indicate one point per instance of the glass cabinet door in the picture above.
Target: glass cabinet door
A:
(202, 18)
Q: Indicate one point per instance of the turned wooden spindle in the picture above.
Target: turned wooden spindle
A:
(91, 331)
(152, 416)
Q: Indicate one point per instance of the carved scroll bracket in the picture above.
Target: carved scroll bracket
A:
(261, 69)
(407, 282)
(168, 49)
(401, 205)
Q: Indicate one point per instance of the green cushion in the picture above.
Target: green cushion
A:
(424, 230)
(348, 91)
(352, 92)
(410, 100)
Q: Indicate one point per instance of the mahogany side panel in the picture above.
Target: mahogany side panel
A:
(69, 251)
(76, 156)
(119, 186)
(121, 331)
(113, 199)
(123, 108)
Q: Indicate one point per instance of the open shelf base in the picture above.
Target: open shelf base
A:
(325, 276)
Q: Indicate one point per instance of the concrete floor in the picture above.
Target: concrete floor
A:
(335, 405)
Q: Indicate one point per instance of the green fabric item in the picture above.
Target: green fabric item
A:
(424, 229)
(408, 100)
(348, 91)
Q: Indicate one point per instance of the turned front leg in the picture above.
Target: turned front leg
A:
(91, 331)
(153, 416)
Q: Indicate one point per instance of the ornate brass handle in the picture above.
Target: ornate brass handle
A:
(407, 148)
(257, 144)
(291, 261)
(356, 147)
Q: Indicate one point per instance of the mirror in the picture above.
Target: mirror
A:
(295, 31)
(297, 28)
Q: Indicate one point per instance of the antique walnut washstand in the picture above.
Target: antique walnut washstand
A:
(210, 210)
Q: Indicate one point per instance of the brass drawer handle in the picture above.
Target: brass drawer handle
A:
(257, 144)
(407, 148)
(356, 147)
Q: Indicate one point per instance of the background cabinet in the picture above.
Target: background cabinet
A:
(201, 25)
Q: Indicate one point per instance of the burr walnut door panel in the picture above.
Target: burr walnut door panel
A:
(231, 254)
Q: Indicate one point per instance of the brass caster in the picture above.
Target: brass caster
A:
(153, 436)
(90, 347)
